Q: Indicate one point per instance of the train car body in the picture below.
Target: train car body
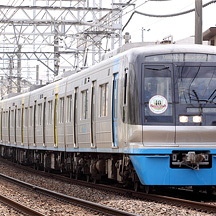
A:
(147, 114)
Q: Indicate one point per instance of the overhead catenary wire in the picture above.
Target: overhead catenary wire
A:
(164, 16)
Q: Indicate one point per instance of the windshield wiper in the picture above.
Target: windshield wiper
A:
(212, 95)
(196, 95)
(194, 79)
(201, 100)
(158, 69)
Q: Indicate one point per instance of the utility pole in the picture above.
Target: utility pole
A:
(19, 69)
(198, 21)
(10, 75)
(2, 87)
(56, 50)
(37, 74)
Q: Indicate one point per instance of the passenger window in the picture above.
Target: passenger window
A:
(12, 119)
(30, 116)
(5, 119)
(69, 108)
(61, 110)
(104, 100)
(84, 104)
(50, 109)
(39, 114)
(26, 117)
(19, 118)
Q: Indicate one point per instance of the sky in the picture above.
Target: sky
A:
(179, 27)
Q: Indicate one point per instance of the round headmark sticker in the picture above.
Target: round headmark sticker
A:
(158, 104)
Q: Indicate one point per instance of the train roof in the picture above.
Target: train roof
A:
(174, 48)
(160, 49)
(168, 49)
(132, 51)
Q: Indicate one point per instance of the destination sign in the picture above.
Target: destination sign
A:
(186, 57)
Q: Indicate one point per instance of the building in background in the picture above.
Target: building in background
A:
(210, 36)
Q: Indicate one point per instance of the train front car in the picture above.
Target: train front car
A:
(171, 104)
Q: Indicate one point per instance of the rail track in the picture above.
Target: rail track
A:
(19, 207)
(83, 203)
(153, 197)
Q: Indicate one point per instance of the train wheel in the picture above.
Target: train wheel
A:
(76, 176)
(88, 178)
(71, 175)
(147, 189)
(136, 186)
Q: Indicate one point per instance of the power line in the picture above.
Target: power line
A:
(164, 16)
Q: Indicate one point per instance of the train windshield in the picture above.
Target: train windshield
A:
(196, 84)
(158, 94)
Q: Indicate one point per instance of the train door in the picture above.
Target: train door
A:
(93, 115)
(55, 121)
(76, 118)
(114, 110)
(44, 121)
(1, 123)
(34, 123)
(15, 124)
(9, 126)
(22, 118)
(157, 105)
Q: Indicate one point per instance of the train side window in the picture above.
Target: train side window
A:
(84, 104)
(50, 110)
(104, 100)
(39, 114)
(30, 116)
(69, 108)
(125, 87)
(19, 118)
(61, 110)
(26, 117)
(3, 116)
(3, 121)
(6, 119)
(12, 119)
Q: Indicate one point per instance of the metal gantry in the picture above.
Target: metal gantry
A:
(54, 36)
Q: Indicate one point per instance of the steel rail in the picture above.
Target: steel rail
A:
(73, 200)
(153, 197)
(19, 207)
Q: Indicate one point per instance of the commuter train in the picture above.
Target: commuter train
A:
(146, 115)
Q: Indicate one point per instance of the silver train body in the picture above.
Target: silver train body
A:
(147, 114)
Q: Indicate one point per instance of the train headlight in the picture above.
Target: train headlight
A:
(197, 119)
(183, 119)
